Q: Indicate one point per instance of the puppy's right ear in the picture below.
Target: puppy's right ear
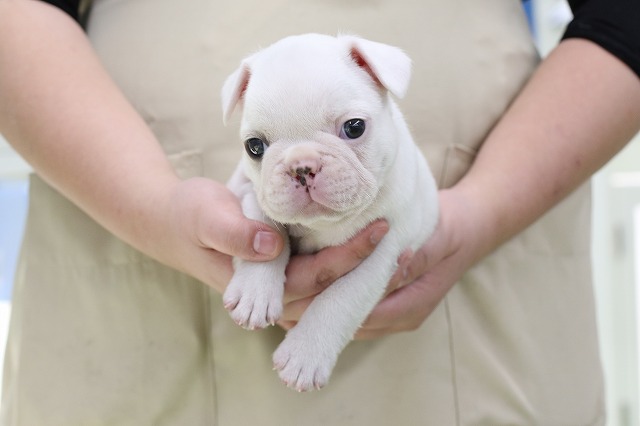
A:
(233, 90)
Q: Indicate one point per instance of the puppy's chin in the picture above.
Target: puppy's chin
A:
(315, 216)
(310, 213)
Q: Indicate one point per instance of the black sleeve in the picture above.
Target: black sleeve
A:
(72, 7)
(612, 24)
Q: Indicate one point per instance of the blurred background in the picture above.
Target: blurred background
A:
(616, 237)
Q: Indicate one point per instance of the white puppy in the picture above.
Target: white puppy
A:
(327, 152)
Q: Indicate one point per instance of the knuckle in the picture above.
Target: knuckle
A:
(361, 252)
(423, 257)
(324, 278)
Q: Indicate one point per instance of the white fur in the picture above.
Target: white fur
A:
(321, 188)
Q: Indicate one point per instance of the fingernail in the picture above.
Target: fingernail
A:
(377, 234)
(265, 243)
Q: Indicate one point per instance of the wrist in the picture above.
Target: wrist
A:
(467, 219)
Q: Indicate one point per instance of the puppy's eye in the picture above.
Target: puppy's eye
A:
(255, 148)
(353, 129)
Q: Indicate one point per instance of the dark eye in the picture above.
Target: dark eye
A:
(255, 148)
(353, 128)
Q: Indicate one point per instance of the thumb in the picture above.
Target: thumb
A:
(234, 234)
(266, 243)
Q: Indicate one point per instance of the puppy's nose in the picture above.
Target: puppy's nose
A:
(303, 163)
(301, 174)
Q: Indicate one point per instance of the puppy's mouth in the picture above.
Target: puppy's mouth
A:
(310, 213)
(320, 196)
(308, 198)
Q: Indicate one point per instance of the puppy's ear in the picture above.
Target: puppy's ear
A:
(233, 90)
(389, 66)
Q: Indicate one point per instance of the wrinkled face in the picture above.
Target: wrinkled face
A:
(318, 137)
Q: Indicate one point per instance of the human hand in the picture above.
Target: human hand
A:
(420, 283)
(422, 280)
(205, 227)
(424, 277)
(309, 275)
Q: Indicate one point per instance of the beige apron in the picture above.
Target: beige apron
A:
(102, 335)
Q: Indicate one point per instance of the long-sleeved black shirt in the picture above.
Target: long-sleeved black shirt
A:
(612, 24)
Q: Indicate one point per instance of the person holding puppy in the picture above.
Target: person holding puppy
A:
(492, 321)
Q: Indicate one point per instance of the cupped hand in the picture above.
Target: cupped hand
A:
(308, 275)
(205, 227)
(422, 280)
(424, 277)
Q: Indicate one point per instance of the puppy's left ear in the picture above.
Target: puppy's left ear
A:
(389, 66)
(233, 90)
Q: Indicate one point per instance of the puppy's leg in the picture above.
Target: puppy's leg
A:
(254, 295)
(310, 350)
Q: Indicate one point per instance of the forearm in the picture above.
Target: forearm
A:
(579, 109)
(65, 116)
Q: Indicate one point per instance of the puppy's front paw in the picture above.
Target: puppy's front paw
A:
(254, 301)
(302, 364)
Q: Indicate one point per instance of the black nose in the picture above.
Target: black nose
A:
(302, 173)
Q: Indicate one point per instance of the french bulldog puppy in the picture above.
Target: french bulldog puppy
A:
(327, 152)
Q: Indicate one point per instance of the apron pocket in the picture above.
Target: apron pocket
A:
(457, 161)
(187, 163)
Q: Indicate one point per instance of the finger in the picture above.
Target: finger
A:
(399, 278)
(396, 312)
(287, 325)
(225, 228)
(308, 275)
(296, 304)
(418, 265)
(411, 265)
(406, 308)
(292, 311)
(245, 238)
